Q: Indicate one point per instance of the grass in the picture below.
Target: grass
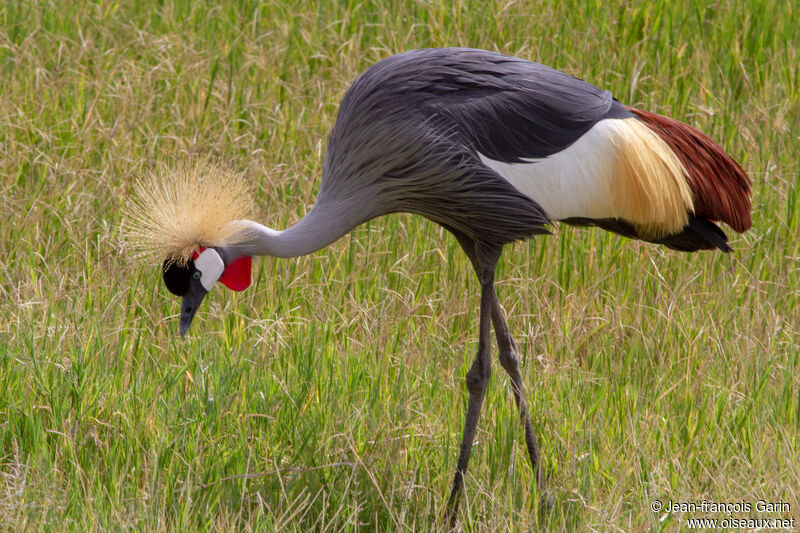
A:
(330, 395)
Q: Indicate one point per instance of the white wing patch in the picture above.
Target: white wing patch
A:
(617, 169)
(575, 182)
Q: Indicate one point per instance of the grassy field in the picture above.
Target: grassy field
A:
(330, 396)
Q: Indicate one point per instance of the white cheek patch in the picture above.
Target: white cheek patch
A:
(211, 267)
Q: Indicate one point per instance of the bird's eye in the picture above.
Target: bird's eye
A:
(196, 274)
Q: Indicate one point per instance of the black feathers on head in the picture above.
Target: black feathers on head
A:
(178, 277)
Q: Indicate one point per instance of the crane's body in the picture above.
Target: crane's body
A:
(493, 148)
(496, 147)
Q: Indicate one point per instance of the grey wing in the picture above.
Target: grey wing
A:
(509, 108)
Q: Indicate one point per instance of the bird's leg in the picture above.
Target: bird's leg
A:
(478, 375)
(510, 362)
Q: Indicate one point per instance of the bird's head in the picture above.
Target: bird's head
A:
(192, 215)
(193, 280)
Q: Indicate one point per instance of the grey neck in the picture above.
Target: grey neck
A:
(323, 225)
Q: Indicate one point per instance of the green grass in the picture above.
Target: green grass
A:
(330, 395)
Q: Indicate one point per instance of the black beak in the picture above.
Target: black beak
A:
(189, 305)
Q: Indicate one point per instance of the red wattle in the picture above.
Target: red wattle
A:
(237, 276)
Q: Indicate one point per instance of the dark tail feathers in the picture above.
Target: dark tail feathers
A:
(700, 234)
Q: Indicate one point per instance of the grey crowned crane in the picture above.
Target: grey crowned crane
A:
(491, 147)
